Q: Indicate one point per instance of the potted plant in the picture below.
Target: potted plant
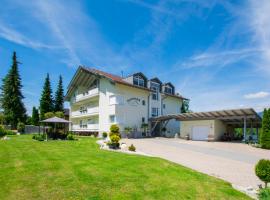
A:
(144, 126)
(128, 131)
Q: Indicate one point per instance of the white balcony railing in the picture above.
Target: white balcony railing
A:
(86, 95)
(88, 111)
(86, 127)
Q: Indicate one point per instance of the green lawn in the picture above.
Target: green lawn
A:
(80, 170)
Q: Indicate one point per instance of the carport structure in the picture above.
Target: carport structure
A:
(236, 118)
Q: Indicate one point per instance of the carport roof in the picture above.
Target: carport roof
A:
(232, 116)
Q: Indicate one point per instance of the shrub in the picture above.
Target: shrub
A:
(104, 134)
(10, 132)
(20, 127)
(114, 141)
(3, 132)
(127, 130)
(132, 148)
(70, 137)
(39, 137)
(262, 170)
(114, 129)
(264, 194)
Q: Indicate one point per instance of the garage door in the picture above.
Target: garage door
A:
(200, 132)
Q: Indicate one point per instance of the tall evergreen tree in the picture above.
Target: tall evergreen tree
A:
(35, 116)
(46, 100)
(265, 134)
(11, 98)
(59, 96)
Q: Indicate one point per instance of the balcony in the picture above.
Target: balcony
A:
(90, 93)
(87, 112)
(85, 127)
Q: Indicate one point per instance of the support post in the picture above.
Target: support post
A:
(245, 129)
(257, 133)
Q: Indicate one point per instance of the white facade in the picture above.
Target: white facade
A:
(108, 101)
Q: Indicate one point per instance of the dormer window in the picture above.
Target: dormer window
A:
(155, 86)
(139, 81)
(168, 90)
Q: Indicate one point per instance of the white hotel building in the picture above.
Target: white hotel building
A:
(99, 99)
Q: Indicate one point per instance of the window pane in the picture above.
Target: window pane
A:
(112, 118)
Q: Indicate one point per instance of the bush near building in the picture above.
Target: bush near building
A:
(132, 148)
(262, 170)
(265, 134)
(114, 136)
(104, 135)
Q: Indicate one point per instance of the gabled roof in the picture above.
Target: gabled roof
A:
(55, 120)
(155, 79)
(138, 73)
(169, 83)
(111, 77)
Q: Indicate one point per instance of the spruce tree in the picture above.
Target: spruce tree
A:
(59, 96)
(35, 116)
(265, 134)
(46, 100)
(11, 98)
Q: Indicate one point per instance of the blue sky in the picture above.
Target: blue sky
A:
(217, 53)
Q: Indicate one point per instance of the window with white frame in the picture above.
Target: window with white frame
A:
(138, 80)
(155, 95)
(168, 89)
(112, 119)
(154, 86)
(83, 109)
(154, 112)
(83, 124)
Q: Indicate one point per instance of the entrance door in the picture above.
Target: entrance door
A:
(200, 132)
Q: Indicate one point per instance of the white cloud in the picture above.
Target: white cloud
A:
(218, 59)
(257, 95)
(14, 36)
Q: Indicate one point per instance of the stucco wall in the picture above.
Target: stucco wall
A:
(172, 106)
(217, 127)
(186, 126)
(220, 129)
(131, 112)
(106, 89)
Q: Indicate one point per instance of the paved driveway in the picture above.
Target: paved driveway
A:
(233, 162)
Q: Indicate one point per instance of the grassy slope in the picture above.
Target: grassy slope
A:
(79, 170)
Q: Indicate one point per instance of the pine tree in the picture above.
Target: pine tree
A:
(265, 134)
(59, 97)
(35, 116)
(46, 100)
(11, 98)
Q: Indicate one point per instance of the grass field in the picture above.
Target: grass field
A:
(80, 170)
